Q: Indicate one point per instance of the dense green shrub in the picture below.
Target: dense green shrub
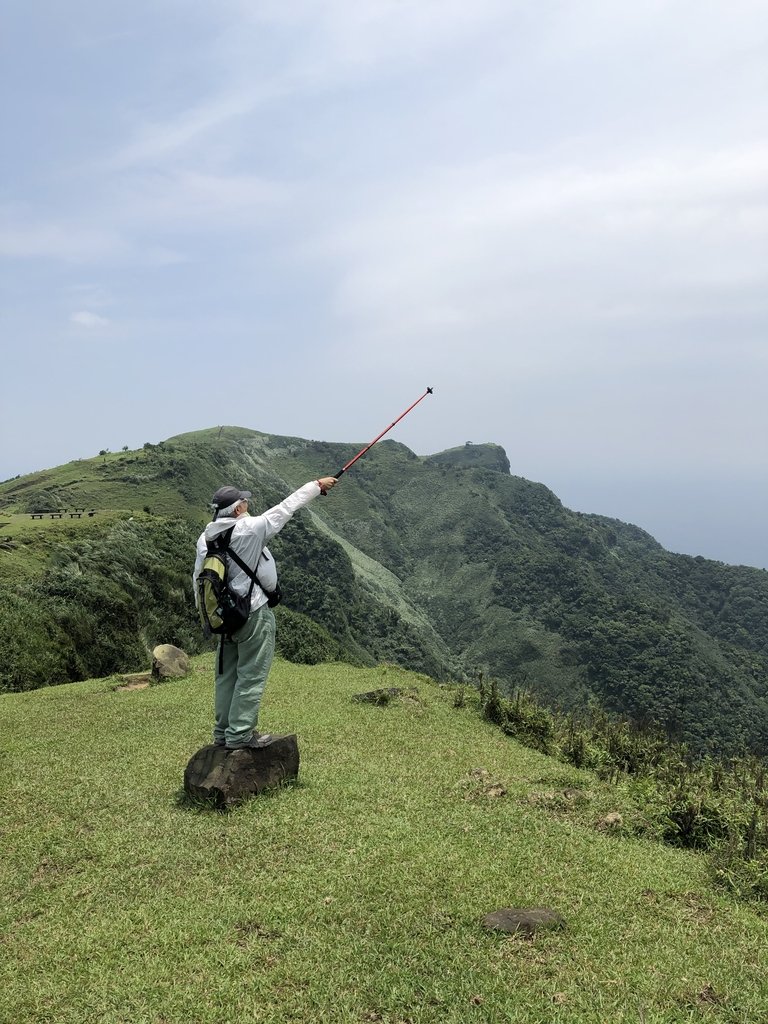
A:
(318, 580)
(743, 876)
(106, 599)
(302, 641)
(104, 602)
(42, 499)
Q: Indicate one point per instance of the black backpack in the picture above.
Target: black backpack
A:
(222, 611)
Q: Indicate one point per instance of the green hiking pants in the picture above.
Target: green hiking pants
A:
(242, 666)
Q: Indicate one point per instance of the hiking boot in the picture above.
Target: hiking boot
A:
(256, 740)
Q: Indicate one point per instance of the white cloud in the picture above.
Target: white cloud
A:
(555, 213)
(156, 141)
(332, 45)
(504, 242)
(23, 235)
(89, 321)
(380, 31)
(191, 200)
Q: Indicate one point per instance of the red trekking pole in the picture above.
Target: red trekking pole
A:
(368, 447)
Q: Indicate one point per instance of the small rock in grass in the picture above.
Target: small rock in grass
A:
(384, 695)
(495, 791)
(612, 821)
(524, 921)
(574, 795)
(561, 799)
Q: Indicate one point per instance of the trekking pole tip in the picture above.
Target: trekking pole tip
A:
(430, 390)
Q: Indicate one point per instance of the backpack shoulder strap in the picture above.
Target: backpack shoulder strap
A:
(250, 573)
(221, 543)
(220, 546)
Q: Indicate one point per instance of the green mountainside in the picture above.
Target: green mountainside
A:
(446, 564)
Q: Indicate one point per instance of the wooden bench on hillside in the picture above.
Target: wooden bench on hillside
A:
(76, 514)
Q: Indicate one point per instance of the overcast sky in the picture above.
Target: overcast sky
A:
(295, 216)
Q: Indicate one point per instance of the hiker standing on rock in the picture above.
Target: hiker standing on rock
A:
(245, 657)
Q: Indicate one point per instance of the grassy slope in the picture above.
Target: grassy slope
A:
(354, 896)
(33, 542)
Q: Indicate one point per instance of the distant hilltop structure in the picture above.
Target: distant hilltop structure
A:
(474, 456)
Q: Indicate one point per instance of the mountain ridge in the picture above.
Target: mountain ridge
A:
(450, 564)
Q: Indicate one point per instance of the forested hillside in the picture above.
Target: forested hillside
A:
(446, 564)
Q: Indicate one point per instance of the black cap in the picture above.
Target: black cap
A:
(226, 496)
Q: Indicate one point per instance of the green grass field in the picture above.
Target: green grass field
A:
(353, 896)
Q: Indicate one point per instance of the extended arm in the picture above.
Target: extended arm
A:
(276, 518)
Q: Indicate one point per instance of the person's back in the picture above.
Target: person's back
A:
(245, 657)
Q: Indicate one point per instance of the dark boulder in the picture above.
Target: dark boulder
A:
(226, 778)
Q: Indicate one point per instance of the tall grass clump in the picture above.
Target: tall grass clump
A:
(522, 717)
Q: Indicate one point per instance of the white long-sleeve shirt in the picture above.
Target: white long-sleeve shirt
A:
(249, 540)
